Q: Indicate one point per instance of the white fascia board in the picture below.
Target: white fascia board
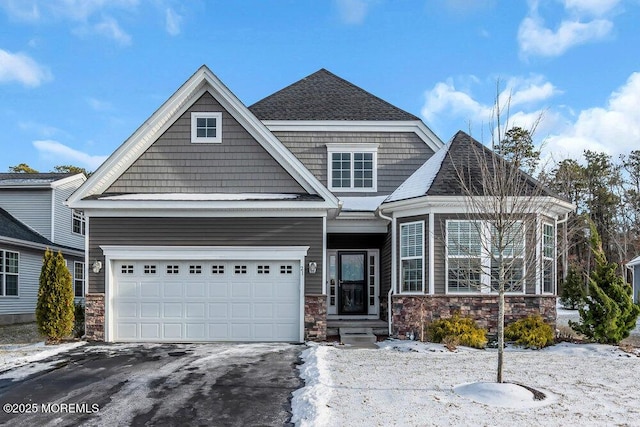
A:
(461, 204)
(205, 213)
(40, 246)
(69, 179)
(416, 126)
(202, 81)
(260, 253)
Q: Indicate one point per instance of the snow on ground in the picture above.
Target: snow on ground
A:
(415, 384)
(23, 355)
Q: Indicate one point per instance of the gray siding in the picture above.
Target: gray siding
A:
(32, 207)
(385, 266)
(237, 165)
(30, 264)
(63, 234)
(207, 232)
(399, 154)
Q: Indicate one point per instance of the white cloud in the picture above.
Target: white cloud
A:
(110, 28)
(613, 129)
(587, 21)
(172, 22)
(352, 11)
(21, 10)
(98, 105)
(22, 68)
(61, 154)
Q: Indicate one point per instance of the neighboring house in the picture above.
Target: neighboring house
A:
(634, 266)
(33, 217)
(218, 222)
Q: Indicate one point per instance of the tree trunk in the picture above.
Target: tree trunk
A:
(500, 332)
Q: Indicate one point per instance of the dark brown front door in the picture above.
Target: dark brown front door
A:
(352, 289)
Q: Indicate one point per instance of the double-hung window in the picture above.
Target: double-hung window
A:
(78, 222)
(9, 262)
(411, 256)
(78, 279)
(206, 128)
(474, 251)
(548, 255)
(464, 256)
(352, 167)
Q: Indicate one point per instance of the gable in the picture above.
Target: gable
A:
(173, 164)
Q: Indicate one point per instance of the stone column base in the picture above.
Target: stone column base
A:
(315, 317)
(94, 317)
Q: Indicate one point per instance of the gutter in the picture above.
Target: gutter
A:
(393, 265)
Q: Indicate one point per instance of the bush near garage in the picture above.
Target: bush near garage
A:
(457, 330)
(530, 332)
(54, 310)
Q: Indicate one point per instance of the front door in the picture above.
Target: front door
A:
(352, 281)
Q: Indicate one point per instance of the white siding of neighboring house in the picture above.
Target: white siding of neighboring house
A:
(63, 223)
(636, 283)
(32, 207)
(30, 264)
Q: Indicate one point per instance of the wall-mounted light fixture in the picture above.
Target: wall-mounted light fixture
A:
(313, 266)
(96, 266)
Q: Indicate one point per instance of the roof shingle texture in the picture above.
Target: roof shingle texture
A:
(14, 229)
(325, 96)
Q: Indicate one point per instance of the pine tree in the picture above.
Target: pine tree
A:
(54, 311)
(573, 289)
(609, 313)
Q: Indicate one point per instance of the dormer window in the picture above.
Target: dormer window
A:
(206, 128)
(352, 167)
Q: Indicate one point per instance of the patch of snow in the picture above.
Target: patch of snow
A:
(420, 181)
(361, 204)
(16, 360)
(202, 196)
(506, 395)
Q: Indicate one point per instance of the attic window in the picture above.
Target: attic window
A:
(352, 167)
(206, 128)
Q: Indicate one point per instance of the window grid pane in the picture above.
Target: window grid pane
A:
(411, 250)
(341, 170)
(464, 275)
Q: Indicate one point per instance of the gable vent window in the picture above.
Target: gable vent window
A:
(206, 128)
(352, 167)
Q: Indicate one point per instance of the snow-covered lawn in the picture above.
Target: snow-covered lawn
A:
(408, 383)
(18, 355)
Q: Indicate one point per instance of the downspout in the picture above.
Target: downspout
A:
(393, 265)
(565, 244)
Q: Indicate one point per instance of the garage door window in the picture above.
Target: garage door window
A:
(217, 269)
(195, 269)
(286, 269)
(263, 269)
(127, 269)
(150, 269)
(240, 269)
(173, 269)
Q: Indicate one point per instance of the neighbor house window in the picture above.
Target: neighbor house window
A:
(548, 255)
(9, 273)
(78, 279)
(206, 127)
(473, 253)
(352, 167)
(78, 222)
(411, 256)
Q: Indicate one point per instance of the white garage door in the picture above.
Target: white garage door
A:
(206, 301)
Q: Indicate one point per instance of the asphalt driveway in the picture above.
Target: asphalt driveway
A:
(153, 384)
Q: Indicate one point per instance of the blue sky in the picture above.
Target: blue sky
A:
(78, 77)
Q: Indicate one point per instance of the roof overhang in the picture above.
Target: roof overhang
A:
(40, 246)
(415, 126)
(634, 262)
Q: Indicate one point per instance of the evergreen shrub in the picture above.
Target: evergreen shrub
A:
(530, 332)
(54, 310)
(462, 330)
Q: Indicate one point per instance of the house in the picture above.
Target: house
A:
(33, 217)
(220, 222)
(634, 266)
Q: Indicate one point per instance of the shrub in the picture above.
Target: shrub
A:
(530, 332)
(78, 322)
(54, 310)
(462, 330)
(573, 290)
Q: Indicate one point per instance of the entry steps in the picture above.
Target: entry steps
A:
(358, 337)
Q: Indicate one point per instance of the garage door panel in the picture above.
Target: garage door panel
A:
(206, 301)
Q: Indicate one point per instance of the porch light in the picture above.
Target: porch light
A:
(96, 266)
(313, 267)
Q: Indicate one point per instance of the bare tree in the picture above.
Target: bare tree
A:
(504, 206)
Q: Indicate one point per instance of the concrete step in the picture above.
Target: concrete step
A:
(358, 337)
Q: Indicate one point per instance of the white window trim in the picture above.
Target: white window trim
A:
(544, 258)
(77, 215)
(485, 261)
(3, 274)
(206, 140)
(75, 278)
(352, 149)
(421, 257)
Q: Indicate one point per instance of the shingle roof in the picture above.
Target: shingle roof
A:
(31, 178)
(14, 229)
(439, 175)
(325, 96)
